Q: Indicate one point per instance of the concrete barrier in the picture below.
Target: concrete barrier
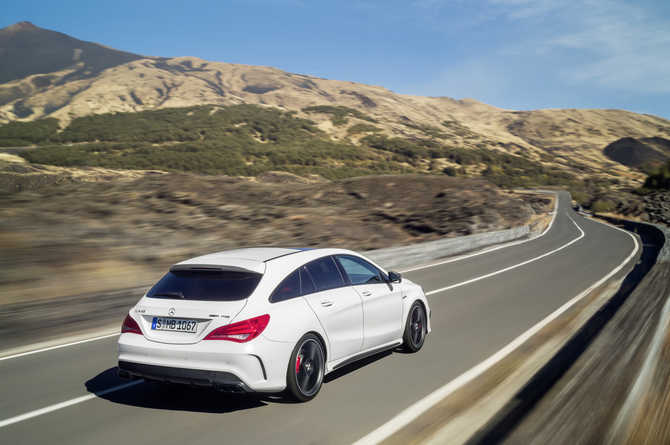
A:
(403, 256)
(393, 257)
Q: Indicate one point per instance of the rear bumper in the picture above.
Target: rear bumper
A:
(259, 365)
(196, 378)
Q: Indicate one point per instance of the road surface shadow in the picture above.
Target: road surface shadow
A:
(174, 398)
(355, 366)
(205, 400)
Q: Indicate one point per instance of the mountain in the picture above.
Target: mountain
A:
(26, 50)
(48, 74)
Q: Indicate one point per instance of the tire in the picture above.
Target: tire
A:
(306, 369)
(415, 328)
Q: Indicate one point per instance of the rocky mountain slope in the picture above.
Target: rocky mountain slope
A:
(80, 84)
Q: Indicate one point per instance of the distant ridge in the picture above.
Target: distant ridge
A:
(26, 49)
(49, 74)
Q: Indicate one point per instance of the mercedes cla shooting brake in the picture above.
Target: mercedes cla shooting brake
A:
(269, 320)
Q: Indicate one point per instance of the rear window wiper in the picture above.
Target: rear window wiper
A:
(176, 295)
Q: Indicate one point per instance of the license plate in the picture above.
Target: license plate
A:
(174, 324)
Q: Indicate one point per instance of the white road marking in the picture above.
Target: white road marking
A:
(65, 404)
(408, 415)
(58, 347)
(511, 267)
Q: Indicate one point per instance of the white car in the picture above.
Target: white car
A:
(269, 320)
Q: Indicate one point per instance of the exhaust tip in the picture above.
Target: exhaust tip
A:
(124, 375)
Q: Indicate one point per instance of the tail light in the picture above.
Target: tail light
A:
(130, 326)
(242, 331)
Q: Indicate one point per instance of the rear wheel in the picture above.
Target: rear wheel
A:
(415, 329)
(306, 368)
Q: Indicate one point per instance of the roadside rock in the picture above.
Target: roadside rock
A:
(657, 208)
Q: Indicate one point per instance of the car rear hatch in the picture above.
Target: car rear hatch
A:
(192, 300)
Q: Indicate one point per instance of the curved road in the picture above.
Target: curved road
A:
(480, 303)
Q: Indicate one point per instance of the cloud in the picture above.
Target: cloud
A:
(628, 48)
(610, 44)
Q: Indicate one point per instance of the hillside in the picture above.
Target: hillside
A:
(639, 152)
(84, 237)
(248, 140)
(572, 140)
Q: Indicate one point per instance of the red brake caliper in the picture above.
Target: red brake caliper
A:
(297, 363)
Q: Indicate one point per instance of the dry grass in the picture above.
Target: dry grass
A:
(578, 135)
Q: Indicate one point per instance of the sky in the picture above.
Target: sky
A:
(512, 54)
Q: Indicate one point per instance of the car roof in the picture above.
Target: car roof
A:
(254, 259)
(249, 253)
(250, 259)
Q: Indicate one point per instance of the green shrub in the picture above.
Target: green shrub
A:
(427, 130)
(643, 191)
(544, 157)
(248, 140)
(602, 206)
(363, 128)
(449, 171)
(659, 180)
(339, 121)
(339, 112)
(579, 197)
(14, 143)
(31, 132)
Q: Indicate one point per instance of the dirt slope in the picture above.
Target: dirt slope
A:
(90, 236)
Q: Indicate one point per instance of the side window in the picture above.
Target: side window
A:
(307, 285)
(360, 271)
(325, 274)
(289, 288)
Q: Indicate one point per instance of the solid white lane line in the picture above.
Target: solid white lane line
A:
(504, 246)
(408, 415)
(58, 346)
(65, 404)
(512, 267)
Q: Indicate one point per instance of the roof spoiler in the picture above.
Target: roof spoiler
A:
(236, 265)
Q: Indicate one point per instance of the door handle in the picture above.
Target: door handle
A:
(326, 303)
(367, 294)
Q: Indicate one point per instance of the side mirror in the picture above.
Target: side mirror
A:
(394, 277)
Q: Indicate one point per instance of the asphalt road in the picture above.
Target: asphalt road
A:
(470, 323)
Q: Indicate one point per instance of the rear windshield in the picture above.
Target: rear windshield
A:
(205, 285)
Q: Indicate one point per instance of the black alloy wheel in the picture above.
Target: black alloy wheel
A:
(415, 329)
(306, 369)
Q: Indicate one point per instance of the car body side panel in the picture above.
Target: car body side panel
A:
(340, 312)
(289, 320)
(382, 313)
